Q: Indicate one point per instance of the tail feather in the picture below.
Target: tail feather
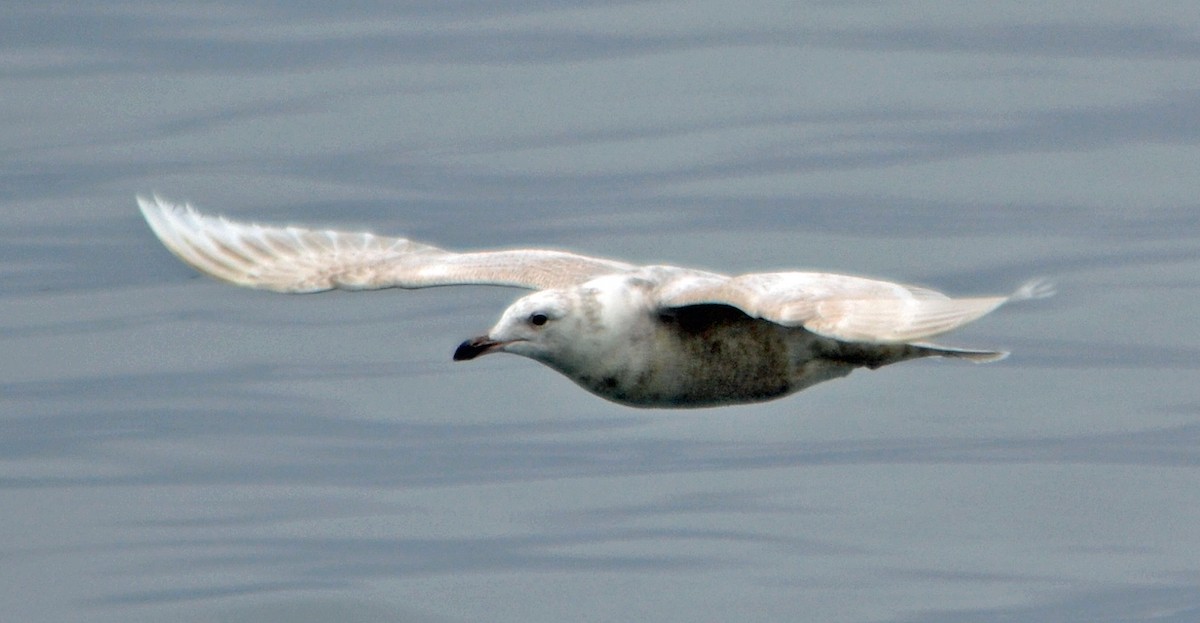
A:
(977, 356)
(1039, 288)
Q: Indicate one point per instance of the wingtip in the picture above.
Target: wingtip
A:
(147, 204)
(1039, 288)
(155, 205)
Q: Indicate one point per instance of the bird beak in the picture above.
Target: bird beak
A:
(475, 347)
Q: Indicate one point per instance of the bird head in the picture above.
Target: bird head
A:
(535, 326)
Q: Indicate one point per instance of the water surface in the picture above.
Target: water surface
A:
(172, 448)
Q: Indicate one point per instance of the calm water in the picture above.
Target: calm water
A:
(174, 449)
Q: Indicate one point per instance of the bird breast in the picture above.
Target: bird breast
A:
(698, 355)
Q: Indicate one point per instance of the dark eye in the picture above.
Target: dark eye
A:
(538, 319)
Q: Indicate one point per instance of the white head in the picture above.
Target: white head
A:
(575, 331)
(537, 326)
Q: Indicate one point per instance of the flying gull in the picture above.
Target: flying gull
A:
(642, 336)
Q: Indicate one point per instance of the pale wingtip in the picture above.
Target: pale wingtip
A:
(148, 204)
(155, 206)
(1038, 288)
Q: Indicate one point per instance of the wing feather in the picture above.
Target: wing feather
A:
(298, 260)
(842, 307)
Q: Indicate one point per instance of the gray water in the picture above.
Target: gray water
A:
(175, 449)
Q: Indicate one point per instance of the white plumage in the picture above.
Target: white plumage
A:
(644, 336)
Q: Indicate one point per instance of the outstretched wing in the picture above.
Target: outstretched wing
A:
(297, 260)
(843, 307)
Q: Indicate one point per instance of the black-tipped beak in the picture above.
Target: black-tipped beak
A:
(475, 347)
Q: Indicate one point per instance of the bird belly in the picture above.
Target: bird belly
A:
(709, 356)
(721, 363)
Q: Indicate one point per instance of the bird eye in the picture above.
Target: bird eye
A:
(538, 319)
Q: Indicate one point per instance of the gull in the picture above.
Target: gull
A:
(641, 336)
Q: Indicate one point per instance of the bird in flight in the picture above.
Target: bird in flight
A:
(641, 336)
